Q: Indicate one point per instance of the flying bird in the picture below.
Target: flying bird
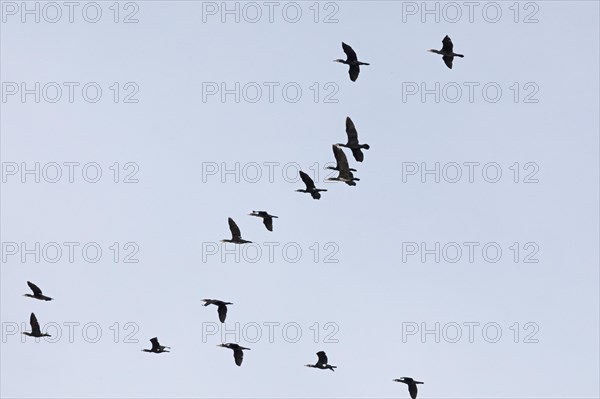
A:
(35, 328)
(412, 385)
(352, 61)
(342, 167)
(447, 52)
(236, 235)
(267, 219)
(322, 362)
(310, 186)
(238, 353)
(156, 347)
(353, 143)
(37, 293)
(221, 307)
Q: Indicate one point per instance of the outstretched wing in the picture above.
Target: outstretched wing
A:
(35, 326)
(322, 358)
(235, 230)
(448, 60)
(222, 310)
(358, 154)
(351, 132)
(350, 54)
(341, 160)
(412, 390)
(447, 45)
(155, 344)
(353, 72)
(238, 355)
(310, 184)
(36, 290)
(268, 222)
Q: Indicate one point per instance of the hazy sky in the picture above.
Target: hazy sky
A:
(466, 256)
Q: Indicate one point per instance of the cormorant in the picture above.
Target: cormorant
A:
(352, 61)
(412, 385)
(156, 347)
(342, 167)
(236, 235)
(267, 219)
(238, 355)
(37, 293)
(322, 362)
(446, 51)
(310, 186)
(353, 141)
(221, 307)
(35, 328)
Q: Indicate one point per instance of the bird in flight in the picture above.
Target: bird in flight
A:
(267, 219)
(412, 385)
(353, 143)
(221, 307)
(37, 293)
(342, 167)
(352, 61)
(322, 362)
(156, 347)
(310, 186)
(447, 52)
(35, 328)
(236, 235)
(238, 354)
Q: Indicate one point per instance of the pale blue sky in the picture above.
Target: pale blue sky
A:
(173, 214)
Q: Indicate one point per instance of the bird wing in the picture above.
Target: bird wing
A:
(322, 357)
(358, 154)
(342, 161)
(35, 326)
(222, 310)
(310, 184)
(351, 132)
(353, 71)
(448, 60)
(447, 45)
(412, 390)
(268, 222)
(350, 54)
(235, 230)
(238, 355)
(155, 344)
(36, 290)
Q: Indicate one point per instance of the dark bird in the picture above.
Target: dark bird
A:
(238, 355)
(310, 186)
(342, 167)
(35, 328)
(352, 61)
(37, 293)
(447, 52)
(236, 235)
(221, 307)
(267, 219)
(353, 141)
(156, 347)
(412, 385)
(322, 362)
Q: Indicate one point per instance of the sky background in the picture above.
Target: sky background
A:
(176, 212)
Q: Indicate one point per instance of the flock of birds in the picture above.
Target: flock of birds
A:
(344, 175)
